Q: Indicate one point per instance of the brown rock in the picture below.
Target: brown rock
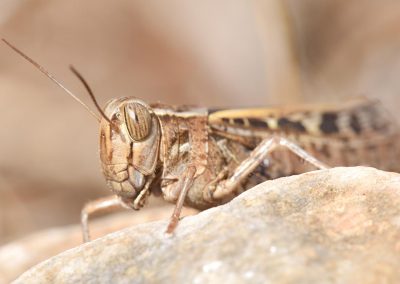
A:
(44, 244)
(340, 225)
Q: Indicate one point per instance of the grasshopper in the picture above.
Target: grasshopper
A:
(204, 157)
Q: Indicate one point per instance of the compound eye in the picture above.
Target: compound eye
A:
(138, 121)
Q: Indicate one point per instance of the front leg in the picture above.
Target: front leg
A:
(99, 206)
(177, 193)
(257, 156)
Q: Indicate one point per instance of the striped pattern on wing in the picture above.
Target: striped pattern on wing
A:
(354, 119)
(355, 133)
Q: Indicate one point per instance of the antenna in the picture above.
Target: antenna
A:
(45, 72)
(89, 90)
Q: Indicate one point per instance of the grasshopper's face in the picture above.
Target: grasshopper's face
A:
(129, 149)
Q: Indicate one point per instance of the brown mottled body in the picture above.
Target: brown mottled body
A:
(359, 132)
(203, 158)
(217, 143)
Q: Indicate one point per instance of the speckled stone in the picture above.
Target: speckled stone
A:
(41, 245)
(333, 226)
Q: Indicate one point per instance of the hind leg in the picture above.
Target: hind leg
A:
(227, 187)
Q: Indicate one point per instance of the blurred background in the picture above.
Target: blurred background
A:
(211, 53)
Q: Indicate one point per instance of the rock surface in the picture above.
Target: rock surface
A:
(334, 226)
(44, 244)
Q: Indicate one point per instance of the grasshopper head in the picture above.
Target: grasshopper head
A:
(129, 140)
(129, 149)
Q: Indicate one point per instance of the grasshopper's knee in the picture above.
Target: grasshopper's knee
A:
(210, 189)
(102, 205)
(85, 223)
